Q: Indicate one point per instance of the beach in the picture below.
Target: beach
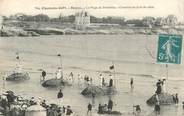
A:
(134, 56)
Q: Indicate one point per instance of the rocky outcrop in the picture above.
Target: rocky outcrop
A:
(54, 83)
(18, 76)
(17, 32)
(98, 90)
(110, 112)
(164, 98)
(47, 31)
(33, 31)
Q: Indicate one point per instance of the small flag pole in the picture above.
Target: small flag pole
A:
(167, 78)
(60, 60)
(18, 57)
(114, 72)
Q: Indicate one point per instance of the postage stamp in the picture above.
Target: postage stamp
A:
(169, 49)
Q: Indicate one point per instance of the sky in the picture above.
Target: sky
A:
(157, 8)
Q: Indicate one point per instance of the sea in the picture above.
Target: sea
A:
(133, 56)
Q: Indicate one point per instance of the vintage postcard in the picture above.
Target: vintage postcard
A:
(91, 57)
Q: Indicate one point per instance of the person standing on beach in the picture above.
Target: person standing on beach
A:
(176, 98)
(102, 80)
(158, 84)
(60, 94)
(89, 109)
(137, 109)
(110, 81)
(110, 105)
(68, 111)
(183, 105)
(43, 75)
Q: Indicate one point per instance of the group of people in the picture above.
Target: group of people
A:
(161, 89)
(101, 108)
(175, 98)
(103, 83)
(137, 109)
(70, 78)
(82, 79)
(106, 107)
(55, 110)
(88, 80)
(58, 74)
(161, 86)
(12, 105)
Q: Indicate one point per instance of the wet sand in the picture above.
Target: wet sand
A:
(133, 56)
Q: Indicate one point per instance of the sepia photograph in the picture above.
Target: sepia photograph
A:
(91, 58)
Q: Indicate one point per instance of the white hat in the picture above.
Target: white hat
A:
(163, 77)
(3, 97)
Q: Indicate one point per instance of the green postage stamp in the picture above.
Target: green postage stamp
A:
(169, 48)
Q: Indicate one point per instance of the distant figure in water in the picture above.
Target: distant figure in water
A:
(89, 109)
(176, 97)
(100, 108)
(183, 105)
(158, 84)
(100, 80)
(157, 108)
(91, 81)
(157, 104)
(86, 79)
(103, 82)
(71, 74)
(71, 77)
(59, 74)
(43, 74)
(79, 80)
(64, 109)
(60, 94)
(132, 83)
(137, 109)
(110, 105)
(93, 99)
(111, 82)
(157, 98)
(68, 111)
(164, 86)
(18, 68)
